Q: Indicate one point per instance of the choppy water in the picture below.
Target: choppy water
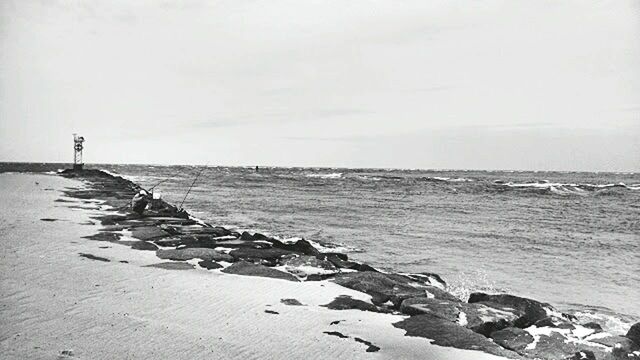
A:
(571, 239)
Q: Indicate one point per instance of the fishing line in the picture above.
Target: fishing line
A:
(191, 187)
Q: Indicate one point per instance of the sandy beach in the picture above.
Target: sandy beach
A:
(56, 303)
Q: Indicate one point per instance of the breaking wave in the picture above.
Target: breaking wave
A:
(546, 187)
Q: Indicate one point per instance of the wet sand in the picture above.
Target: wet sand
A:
(57, 301)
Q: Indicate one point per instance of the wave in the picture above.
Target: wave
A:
(444, 179)
(545, 186)
(325, 176)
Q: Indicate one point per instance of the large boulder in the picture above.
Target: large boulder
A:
(477, 317)
(530, 311)
(553, 345)
(250, 269)
(389, 287)
(193, 253)
(301, 246)
(634, 333)
(446, 333)
(512, 338)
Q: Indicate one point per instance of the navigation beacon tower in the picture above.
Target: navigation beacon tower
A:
(77, 152)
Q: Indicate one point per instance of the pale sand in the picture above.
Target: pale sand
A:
(53, 300)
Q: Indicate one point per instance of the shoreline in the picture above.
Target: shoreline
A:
(419, 303)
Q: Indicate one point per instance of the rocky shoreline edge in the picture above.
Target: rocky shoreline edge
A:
(500, 324)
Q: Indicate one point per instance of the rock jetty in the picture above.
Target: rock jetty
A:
(502, 324)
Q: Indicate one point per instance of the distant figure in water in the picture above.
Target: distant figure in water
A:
(256, 168)
(140, 202)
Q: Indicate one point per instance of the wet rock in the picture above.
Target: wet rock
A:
(209, 265)
(530, 310)
(613, 340)
(512, 338)
(634, 333)
(594, 326)
(555, 345)
(555, 322)
(396, 287)
(345, 302)
(246, 236)
(249, 269)
(304, 265)
(192, 253)
(258, 236)
(446, 333)
(583, 355)
(259, 254)
(48, 219)
(324, 256)
(143, 245)
(301, 246)
(477, 317)
(427, 278)
(172, 266)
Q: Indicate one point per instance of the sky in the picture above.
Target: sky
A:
(514, 85)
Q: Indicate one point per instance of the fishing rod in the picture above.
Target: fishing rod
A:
(191, 187)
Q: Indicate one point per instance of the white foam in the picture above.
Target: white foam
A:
(326, 176)
(462, 319)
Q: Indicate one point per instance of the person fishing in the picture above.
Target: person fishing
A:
(140, 201)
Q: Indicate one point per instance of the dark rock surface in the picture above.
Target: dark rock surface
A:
(345, 302)
(143, 245)
(209, 264)
(93, 257)
(512, 338)
(634, 333)
(172, 266)
(250, 269)
(259, 254)
(446, 333)
(192, 253)
(370, 346)
(392, 286)
(531, 310)
(291, 302)
(477, 317)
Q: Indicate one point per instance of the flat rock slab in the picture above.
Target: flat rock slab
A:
(193, 253)
(148, 233)
(209, 265)
(345, 302)
(260, 254)
(249, 269)
(172, 266)
(477, 317)
(446, 333)
(143, 245)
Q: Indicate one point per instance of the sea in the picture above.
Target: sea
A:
(568, 238)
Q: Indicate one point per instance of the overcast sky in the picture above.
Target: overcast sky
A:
(403, 84)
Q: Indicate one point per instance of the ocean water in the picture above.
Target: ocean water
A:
(570, 239)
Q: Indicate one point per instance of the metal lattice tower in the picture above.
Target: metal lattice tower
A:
(77, 151)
